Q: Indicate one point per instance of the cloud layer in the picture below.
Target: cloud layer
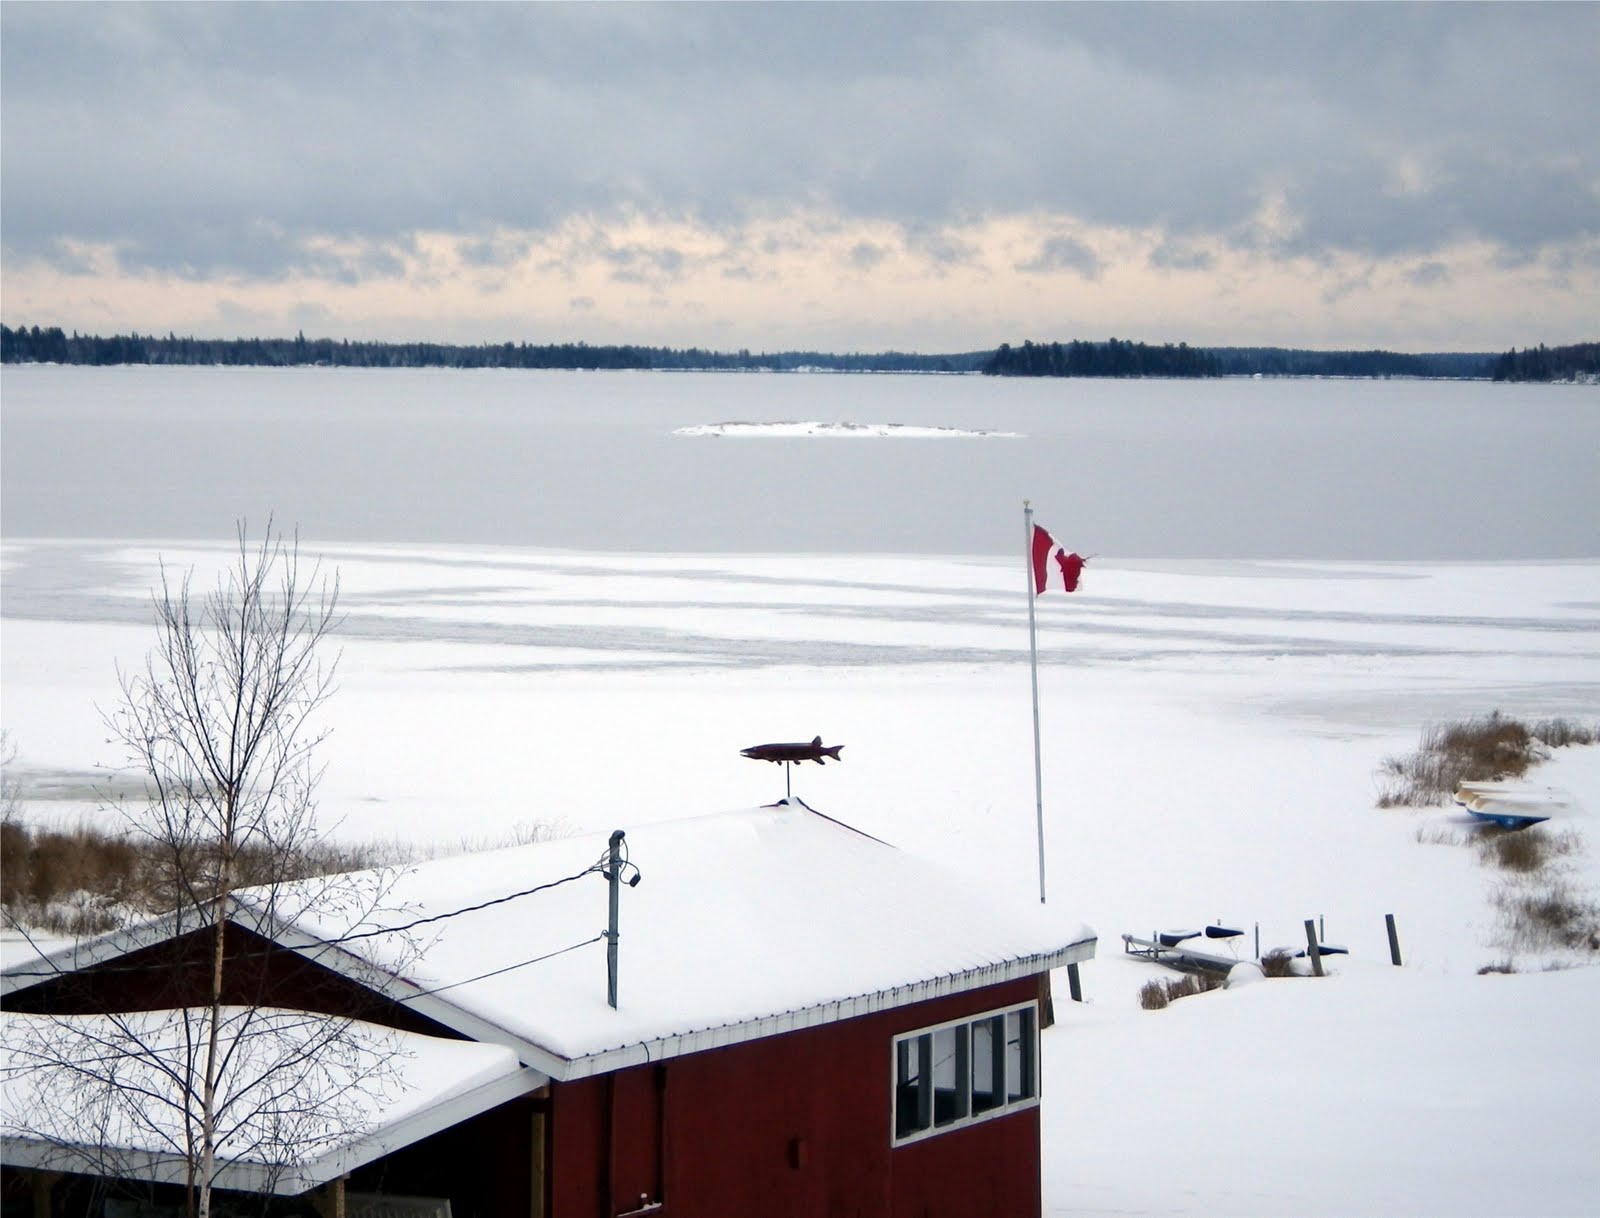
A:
(641, 171)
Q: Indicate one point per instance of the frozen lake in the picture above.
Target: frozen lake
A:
(1137, 469)
(559, 610)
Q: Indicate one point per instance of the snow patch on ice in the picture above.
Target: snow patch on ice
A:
(902, 431)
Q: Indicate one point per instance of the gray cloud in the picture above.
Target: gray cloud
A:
(941, 248)
(226, 137)
(1063, 254)
(1429, 274)
(1178, 256)
(492, 251)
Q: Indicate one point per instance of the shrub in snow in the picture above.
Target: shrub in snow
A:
(1153, 995)
(1279, 962)
(1156, 994)
(1548, 914)
(1485, 749)
(1525, 850)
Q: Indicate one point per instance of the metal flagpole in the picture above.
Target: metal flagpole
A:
(1033, 670)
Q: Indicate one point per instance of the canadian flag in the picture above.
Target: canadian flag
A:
(1071, 564)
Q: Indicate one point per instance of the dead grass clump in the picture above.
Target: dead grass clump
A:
(1548, 915)
(1497, 966)
(1559, 733)
(1161, 991)
(1524, 850)
(87, 880)
(1486, 749)
(1279, 962)
(45, 867)
(1153, 995)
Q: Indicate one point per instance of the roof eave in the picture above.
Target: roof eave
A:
(24, 974)
(160, 1167)
(542, 1059)
(658, 1049)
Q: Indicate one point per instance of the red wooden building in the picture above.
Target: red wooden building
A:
(808, 1022)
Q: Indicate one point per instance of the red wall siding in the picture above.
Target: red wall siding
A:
(793, 1126)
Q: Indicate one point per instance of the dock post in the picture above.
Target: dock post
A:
(1394, 939)
(1312, 950)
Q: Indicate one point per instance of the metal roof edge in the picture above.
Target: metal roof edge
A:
(549, 1063)
(608, 1060)
(564, 1069)
(165, 1167)
(374, 1145)
(83, 1158)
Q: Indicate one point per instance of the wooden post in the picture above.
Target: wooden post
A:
(328, 1200)
(536, 1162)
(1312, 949)
(1073, 984)
(1394, 939)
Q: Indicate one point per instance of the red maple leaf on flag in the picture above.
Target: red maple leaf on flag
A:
(1071, 564)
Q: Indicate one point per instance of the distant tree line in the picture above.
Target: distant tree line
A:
(1130, 359)
(1112, 358)
(1580, 361)
(25, 345)
(1283, 361)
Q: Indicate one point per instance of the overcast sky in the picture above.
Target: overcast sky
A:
(840, 176)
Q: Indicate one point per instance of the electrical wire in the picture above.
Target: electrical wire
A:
(456, 913)
(508, 968)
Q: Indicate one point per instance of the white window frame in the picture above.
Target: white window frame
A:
(965, 1117)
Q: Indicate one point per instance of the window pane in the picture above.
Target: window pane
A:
(988, 1064)
(951, 1072)
(913, 1088)
(1020, 1055)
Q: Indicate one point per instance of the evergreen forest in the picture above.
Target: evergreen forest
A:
(1079, 358)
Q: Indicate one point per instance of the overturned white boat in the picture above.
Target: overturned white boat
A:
(1513, 805)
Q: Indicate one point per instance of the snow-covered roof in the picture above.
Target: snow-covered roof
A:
(745, 924)
(361, 1091)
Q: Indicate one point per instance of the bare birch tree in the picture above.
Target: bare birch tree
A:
(222, 722)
